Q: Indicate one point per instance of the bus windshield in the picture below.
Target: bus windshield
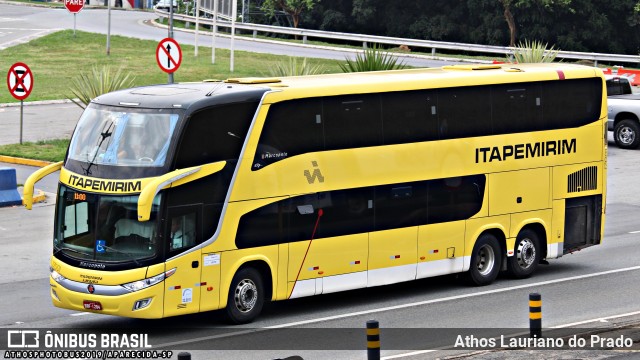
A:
(122, 137)
(103, 227)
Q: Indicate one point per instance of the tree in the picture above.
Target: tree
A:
(511, 21)
(508, 5)
(294, 8)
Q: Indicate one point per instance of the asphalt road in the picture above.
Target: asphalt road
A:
(583, 288)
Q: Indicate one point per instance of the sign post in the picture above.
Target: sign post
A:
(168, 56)
(74, 7)
(20, 84)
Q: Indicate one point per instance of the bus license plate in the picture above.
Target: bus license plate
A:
(92, 305)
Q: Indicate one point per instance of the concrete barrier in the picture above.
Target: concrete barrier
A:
(9, 195)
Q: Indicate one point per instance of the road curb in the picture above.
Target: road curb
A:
(23, 161)
(38, 195)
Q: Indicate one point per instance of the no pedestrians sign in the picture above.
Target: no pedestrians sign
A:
(74, 6)
(168, 55)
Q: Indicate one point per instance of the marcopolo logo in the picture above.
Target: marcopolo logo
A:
(23, 339)
(316, 174)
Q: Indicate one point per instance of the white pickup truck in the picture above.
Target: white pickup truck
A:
(623, 112)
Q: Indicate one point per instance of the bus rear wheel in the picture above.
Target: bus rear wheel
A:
(486, 260)
(246, 296)
(526, 255)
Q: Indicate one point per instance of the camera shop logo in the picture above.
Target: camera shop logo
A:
(23, 339)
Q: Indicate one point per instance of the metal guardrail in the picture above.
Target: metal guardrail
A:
(305, 34)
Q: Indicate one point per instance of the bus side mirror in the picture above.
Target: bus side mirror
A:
(174, 178)
(29, 185)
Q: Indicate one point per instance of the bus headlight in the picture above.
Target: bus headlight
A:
(56, 275)
(143, 284)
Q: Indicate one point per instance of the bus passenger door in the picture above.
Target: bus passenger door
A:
(182, 289)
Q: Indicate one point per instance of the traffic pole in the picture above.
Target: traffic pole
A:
(373, 340)
(535, 315)
(21, 106)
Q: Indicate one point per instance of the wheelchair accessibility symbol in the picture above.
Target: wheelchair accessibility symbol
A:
(100, 246)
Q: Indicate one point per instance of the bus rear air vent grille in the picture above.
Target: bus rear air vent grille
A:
(583, 180)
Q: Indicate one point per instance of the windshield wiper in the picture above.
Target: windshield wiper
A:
(103, 136)
(130, 255)
(73, 250)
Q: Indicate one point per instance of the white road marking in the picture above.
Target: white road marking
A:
(81, 314)
(404, 306)
(602, 319)
(413, 353)
(634, 232)
(3, 229)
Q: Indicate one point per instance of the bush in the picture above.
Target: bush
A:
(372, 59)
(100, 81)
(534, 52)
(293, 67)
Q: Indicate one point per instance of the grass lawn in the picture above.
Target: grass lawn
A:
(49, 150)
(54, 60)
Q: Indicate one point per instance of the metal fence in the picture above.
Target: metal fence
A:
(420, 45)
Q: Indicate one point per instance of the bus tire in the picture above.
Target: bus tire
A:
(246, 296)
(486, 261)
(627, 134)
(526, 255)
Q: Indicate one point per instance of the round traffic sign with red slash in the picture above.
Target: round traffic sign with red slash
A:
(168, 55)
(74, 6)
(20, 81)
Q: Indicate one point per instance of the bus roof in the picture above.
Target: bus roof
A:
(182, 96)
(198, 95)
(414, 79)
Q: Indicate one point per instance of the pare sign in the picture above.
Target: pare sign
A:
(74, 6)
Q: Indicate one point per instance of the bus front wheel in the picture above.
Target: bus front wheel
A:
(526, 255)
(246, 296)
(486, 260)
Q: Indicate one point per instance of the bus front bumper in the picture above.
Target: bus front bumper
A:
(146, 303)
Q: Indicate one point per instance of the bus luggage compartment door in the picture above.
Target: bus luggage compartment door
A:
(582, 222)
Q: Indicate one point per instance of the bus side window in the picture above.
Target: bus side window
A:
(409, 116)
(292, 128)
(352, 121)
(182, 232)
(215, 134)
(464, 112)
(517, 108)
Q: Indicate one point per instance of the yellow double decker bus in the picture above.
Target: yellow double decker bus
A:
(182, 198)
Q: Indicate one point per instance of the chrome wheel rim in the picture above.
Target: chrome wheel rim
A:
(526, 253)
(246, 295)
(486, 260)
(626, 135)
